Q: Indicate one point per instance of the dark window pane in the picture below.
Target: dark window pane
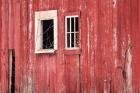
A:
(68, 40)
(72, 39)
(76, 24)
(77, 40)
(72, 24)
(68, 24)
(48, 34)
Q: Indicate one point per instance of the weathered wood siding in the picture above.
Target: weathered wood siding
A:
(109, 60)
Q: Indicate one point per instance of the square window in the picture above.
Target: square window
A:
(71, 32)
(45, 31)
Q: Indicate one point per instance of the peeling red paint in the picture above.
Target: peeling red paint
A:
(108, 61)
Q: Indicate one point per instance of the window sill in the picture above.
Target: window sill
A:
(72, 51)
(45, 51)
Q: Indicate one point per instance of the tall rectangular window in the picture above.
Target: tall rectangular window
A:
(45, 31)
(71, 32)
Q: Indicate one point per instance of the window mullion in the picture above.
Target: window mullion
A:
(66, 33)
(70, 33)
(74, 33)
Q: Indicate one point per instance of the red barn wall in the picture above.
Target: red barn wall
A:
(109, 58)
(0, 48)
(135, 38)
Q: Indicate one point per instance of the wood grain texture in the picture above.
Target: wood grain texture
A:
(108, 61)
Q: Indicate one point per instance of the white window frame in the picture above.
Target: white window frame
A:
(39, 16)
(66, 46)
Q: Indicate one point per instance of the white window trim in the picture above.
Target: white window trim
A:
(44, 15)
(69, 48)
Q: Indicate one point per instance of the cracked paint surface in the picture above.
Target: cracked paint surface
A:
(108, 58)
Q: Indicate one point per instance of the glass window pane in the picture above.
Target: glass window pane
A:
(68, 24)
(76, 24)
(77, 40)
(68, 40)
(72, 24)
(72, 39)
